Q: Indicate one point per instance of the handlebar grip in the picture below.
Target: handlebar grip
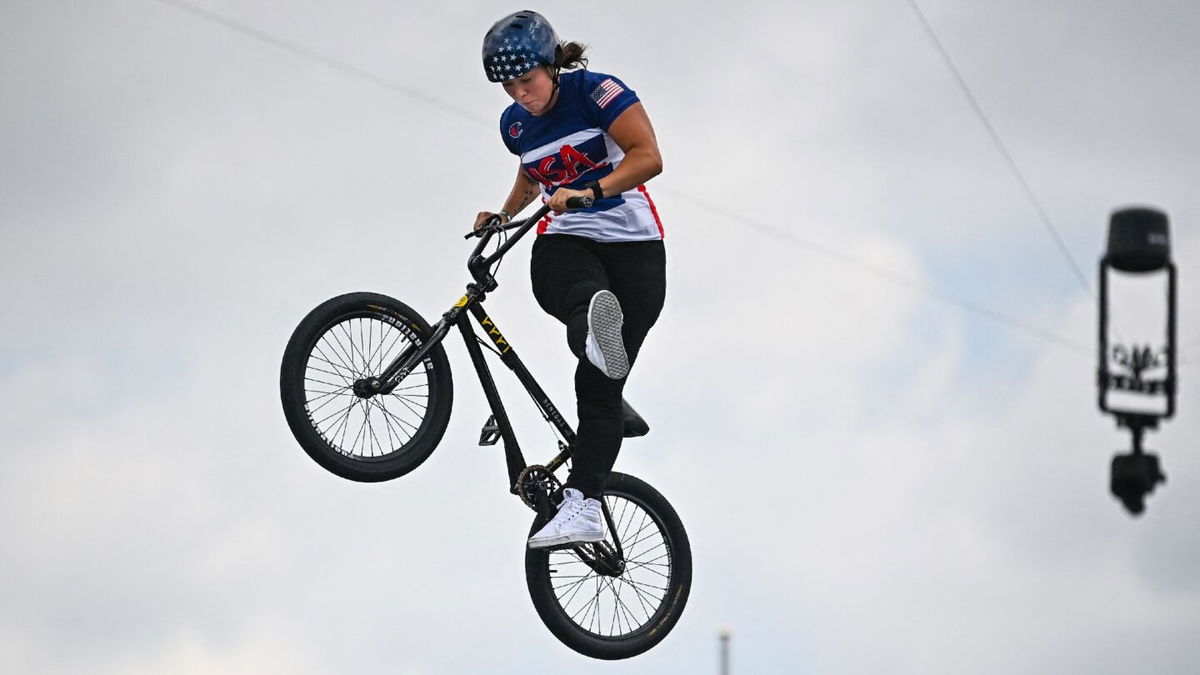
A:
(494, 220)
(579, 203)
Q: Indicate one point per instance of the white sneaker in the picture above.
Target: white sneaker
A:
(579, 520)
(605, 347)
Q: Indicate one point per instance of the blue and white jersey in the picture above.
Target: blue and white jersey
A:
(569, 147)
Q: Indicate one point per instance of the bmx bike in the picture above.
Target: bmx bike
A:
(367, 392)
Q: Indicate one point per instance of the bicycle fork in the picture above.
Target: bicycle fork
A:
(401, 366)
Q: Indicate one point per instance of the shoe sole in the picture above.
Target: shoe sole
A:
(604, 322)
(565, 540)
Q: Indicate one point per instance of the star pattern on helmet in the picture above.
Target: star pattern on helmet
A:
(512, 64)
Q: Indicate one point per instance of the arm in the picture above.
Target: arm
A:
(524, 190)
(634, 134)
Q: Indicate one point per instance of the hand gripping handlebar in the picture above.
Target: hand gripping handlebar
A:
(493, 224)
(478, 264)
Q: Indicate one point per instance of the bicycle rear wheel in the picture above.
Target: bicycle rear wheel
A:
(610, 615)
(372, 438)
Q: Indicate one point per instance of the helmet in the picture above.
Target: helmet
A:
(517, 44)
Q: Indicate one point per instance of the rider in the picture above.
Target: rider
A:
(600, 270)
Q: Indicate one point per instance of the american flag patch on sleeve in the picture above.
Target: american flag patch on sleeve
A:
(606, 92)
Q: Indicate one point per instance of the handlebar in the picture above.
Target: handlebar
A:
(479, 265)
(493, 224)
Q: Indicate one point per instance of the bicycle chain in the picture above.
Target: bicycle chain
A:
(535, 478)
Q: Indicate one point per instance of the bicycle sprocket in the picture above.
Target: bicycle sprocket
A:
(536, 480)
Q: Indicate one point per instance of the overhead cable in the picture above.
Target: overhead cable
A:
(324, 59)
(1008, 158)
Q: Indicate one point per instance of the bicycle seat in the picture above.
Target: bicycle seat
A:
(634, 424)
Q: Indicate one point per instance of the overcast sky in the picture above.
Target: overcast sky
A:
(874, 479)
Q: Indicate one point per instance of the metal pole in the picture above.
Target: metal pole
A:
(725, 635)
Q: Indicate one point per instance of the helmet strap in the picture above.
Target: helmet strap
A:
(554, 91)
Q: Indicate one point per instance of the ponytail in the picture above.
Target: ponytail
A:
(570, 56)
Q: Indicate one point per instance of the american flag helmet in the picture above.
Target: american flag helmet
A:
(517, 44)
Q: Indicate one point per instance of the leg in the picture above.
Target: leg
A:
(637, 276)
(601, 428)
(566, 274)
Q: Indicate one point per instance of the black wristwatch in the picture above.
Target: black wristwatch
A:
(597, 193)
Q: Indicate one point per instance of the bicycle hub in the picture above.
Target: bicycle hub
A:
(367, 387)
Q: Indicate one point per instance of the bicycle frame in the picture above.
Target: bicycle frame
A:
(602, 557)
(472, 304)
(512, 449)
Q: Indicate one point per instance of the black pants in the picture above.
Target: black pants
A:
(566, 272)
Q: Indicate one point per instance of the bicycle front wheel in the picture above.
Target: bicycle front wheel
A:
(355, 435)
(604, 614)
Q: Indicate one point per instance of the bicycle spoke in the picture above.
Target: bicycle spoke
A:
(384, 352)
(649, 603)
(646, 607)
(632, 514)
(332, 397)
(620, 607)
(596, 604)
(353, 348)
(582, 609)
(568, 584)
(325, 357)
(645, 585)
(345, 380)
(344, 425)
(337, 387)
(413, 386)
(393, 435)
(358, 435)
(341, 349)
(371, 430)
(362, 345)
(376, 350)
(578, 585)
(399, 420)
(338, 413)
(653, 531)
(653, 563)
(615, 615)
(654, 571)
(409, 405)
(340, 391)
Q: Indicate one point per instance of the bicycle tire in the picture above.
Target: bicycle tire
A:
(580, 625)
(350, 337)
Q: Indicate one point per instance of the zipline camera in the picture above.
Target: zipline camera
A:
(1136, 375)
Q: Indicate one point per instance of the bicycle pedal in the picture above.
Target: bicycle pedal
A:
(490, 433)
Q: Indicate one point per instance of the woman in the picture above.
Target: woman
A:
(599, 270)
